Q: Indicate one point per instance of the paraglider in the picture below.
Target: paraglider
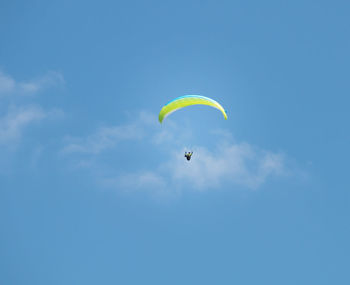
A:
(188, 155)
(188, 100)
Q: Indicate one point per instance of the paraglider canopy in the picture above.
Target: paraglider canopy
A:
(188, 100)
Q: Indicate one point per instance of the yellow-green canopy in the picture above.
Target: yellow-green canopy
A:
(188, 100)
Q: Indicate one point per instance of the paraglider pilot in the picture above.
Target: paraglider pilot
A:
(188, 155)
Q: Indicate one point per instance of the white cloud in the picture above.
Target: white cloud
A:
(229, 164)
(16, 116)
(9, 85)
(143, 179)
(171, 133)
(13, 123)
(103, 138)
(144, 126)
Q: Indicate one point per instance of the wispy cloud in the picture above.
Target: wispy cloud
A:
(228, 164)
(102, 139)
(18, 116)
(143, 126)
(144, 179)
(7, 83)
(12, 124)
(9, 86)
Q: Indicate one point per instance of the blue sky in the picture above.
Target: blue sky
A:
(93, 190)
